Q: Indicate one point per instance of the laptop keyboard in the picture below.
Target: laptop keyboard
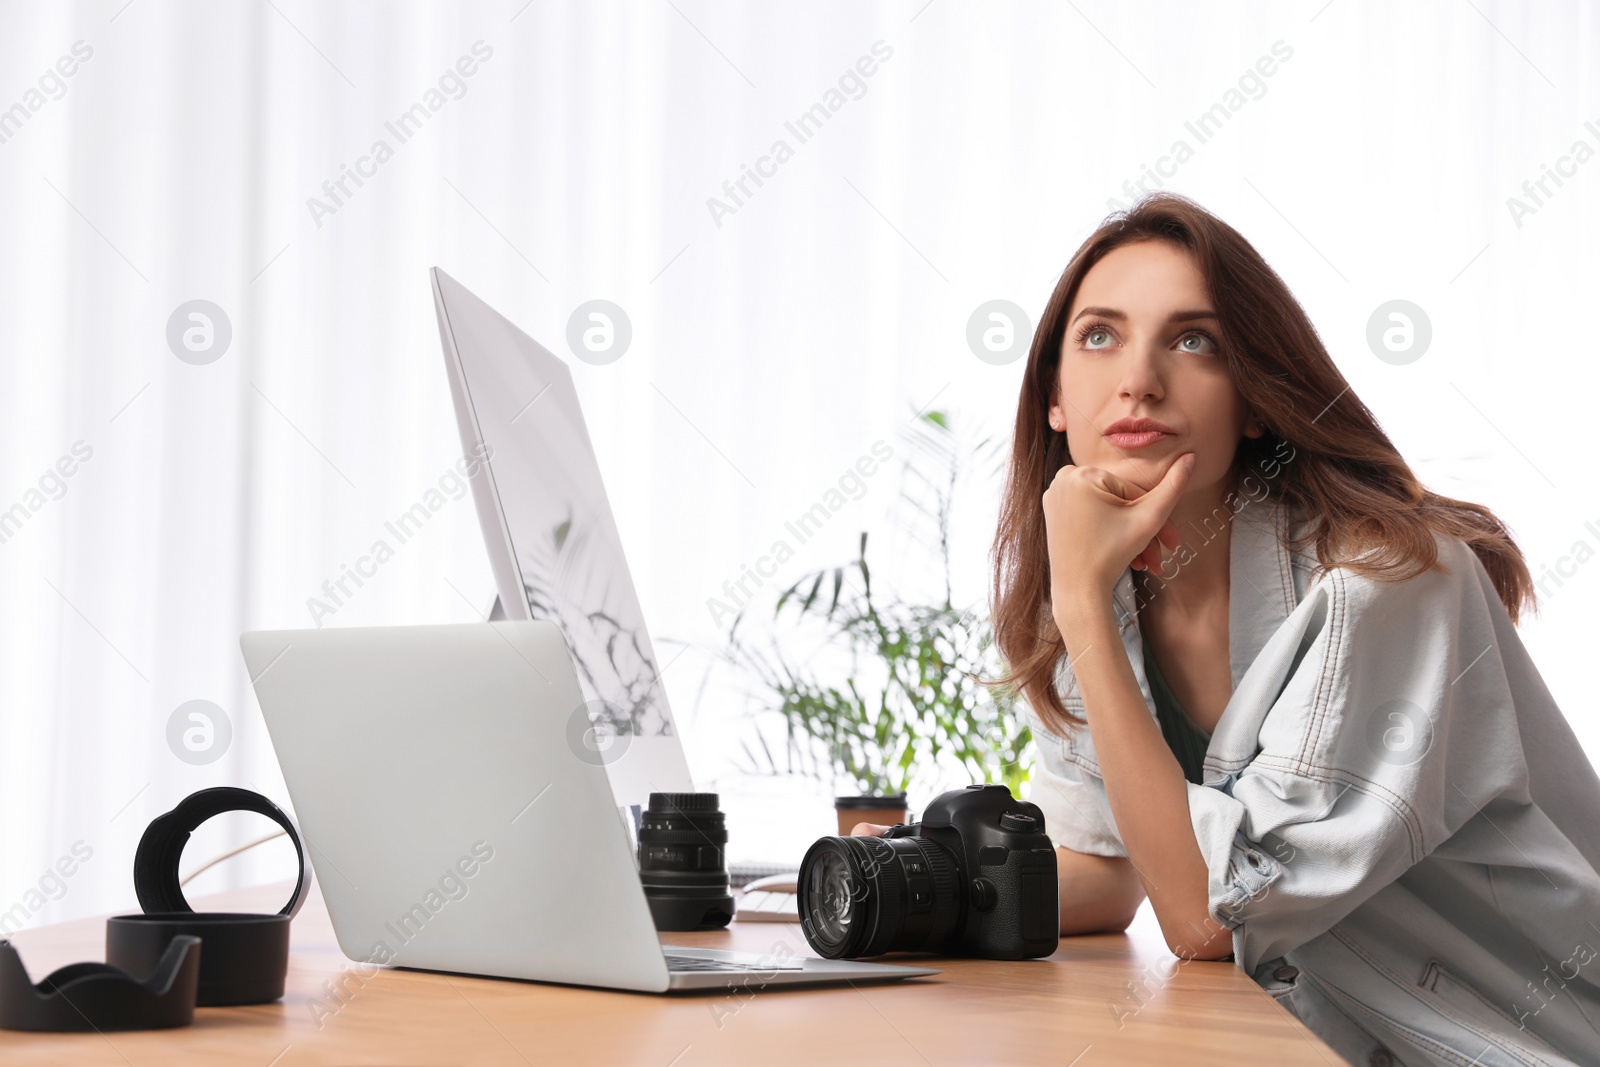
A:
(698, 963)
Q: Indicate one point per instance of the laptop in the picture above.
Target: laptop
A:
(458, 821)
(469, 794)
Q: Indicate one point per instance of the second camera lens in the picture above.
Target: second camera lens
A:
(682, 843)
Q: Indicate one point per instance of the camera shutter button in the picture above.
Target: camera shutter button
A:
(1019, 822)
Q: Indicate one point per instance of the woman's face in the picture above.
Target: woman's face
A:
(1142, 342)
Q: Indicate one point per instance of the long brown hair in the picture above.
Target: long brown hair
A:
(1368, 511)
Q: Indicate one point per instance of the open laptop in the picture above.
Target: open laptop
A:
(457, 820)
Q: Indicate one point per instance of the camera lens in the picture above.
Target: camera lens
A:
(864, 896)
(682, 841)
(832, 909)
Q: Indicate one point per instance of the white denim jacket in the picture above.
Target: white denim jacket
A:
(1400, 827)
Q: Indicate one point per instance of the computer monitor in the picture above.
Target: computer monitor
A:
(553, 543)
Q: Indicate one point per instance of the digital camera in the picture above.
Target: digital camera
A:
(975, 877)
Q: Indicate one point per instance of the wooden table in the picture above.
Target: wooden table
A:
(1100, 1000)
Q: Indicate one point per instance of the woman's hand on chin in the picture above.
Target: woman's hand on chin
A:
(1097, 524)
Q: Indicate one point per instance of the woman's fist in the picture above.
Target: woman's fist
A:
(1097, 523)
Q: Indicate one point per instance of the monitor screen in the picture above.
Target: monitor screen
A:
(553, 543)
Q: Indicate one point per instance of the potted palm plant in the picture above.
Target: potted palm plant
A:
(908, 697)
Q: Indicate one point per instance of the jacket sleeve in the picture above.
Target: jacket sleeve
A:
(1068, 789)
(1385, 722)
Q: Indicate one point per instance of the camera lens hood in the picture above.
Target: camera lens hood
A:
(97, 996)
(155, 864)
(246, 956)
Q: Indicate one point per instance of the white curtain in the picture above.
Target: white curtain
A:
(162, 498)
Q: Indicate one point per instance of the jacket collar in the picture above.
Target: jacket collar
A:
(1262, 587)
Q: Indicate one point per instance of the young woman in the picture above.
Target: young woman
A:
(1276, 682)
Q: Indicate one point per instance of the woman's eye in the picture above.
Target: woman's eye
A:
(1198, 343)
(1094, 332)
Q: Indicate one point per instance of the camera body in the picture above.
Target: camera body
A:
(1009, 866)
(976, 876)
